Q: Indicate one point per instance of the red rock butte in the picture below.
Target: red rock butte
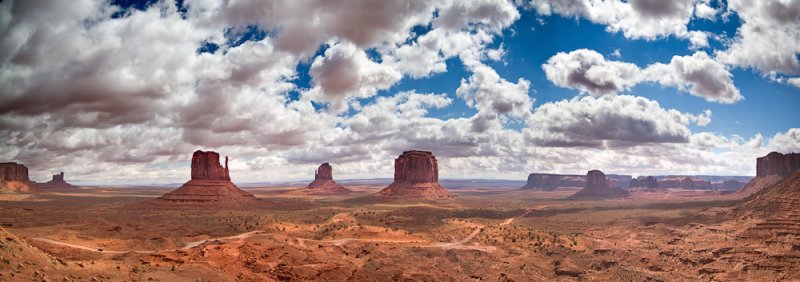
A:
(416, 175)
(210, 183)
(771, 169)
(57, 182)
(14, 177)
(597, 188)
(323, 182)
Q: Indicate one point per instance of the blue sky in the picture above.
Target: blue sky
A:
(496, 89)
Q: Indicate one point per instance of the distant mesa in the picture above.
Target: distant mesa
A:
(323, 182)
(551, 182)
(14, 178)
(416, 175)
(770, 169)
(648, 182)
(686, 182)
(57, 182)
(597, 187)
(210, 183)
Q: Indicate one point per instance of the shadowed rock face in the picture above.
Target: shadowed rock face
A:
(416, 175)
(57, 182)
(777, 164)
(324, 172)
(210, 183)
(644, 182)
(597, 188)
(323, 182)
(205, 165)
(13, 172)
(14, 177)
(550, 182)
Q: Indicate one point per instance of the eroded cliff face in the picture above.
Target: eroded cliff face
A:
(778, 164)
(323, 182)
(550, 182)
(13, 172)
(597, 187)
(205, 165)
(416, 175)
(648, 182)
(210, 183)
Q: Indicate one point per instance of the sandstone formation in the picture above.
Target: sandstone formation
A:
(14, 178)
(771, 169)
(779, 203)
(688, 183)
(648, 182)
(56, 183)
(416, 175)
(731, 185)
(597, 187)
(210, 183)
(550, 182)
(323, 182)
(777, 163)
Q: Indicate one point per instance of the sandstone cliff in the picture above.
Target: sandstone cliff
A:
(14, 178)
(210, 183)
(771, 169)
(57, 182)
(416, 175)
(648, 182)
(323, 182)
(597, 187)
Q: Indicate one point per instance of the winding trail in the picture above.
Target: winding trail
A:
(460, 244)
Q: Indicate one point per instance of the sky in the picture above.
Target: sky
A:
(123, 92)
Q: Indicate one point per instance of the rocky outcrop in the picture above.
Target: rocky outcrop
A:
(416, 175)
(57, 182)
(597, 187)
(688, 183)
(648, 182)
(210, 183)
(778, 164)
(14, 178)
(771, 169)
(323, 182)
(551, 182)
(731, 185)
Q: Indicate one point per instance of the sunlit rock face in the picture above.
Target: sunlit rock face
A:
(210, 183)
(778, 164)
(597, 187)
(323, 182)
(416, 175)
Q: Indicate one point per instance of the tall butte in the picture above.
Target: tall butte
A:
(323, 182)
(416, 175)
(597, 188)
(210, 183)
(770, 169)
(14, 178)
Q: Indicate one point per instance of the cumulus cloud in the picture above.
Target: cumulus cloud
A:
(589, 72)
(609, 121)
(769, 37)
(786, 142)
(637, 19)
(699, 75)
(492, 95)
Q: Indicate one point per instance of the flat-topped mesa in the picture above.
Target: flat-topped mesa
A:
(778, 164)
(771, 169)
(416, 175)
(205, 165)
(323, 182)
(550, 182)
(597, 187)
(14, 177)
(648, 182)
(210, 183)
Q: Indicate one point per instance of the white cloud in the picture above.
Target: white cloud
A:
(786, 142)
(619, 120)
(699, 75)
(703, 10)
(588, 71)
(769, 37)
(490, 94)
